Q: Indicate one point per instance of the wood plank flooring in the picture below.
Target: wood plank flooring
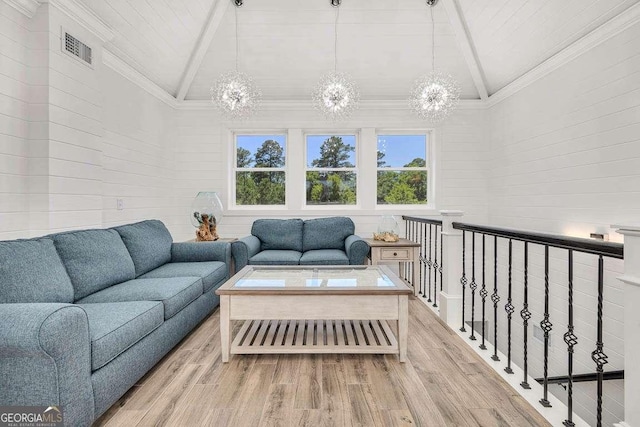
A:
(442, 384)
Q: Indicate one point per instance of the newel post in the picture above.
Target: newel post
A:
(631, 280)
(451, 294)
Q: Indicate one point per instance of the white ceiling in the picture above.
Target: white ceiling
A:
(286, 45)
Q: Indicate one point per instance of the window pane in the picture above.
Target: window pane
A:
(397, 151)
(260, 151)
(260, 188)
(331, 188)
(331, 151)
(402, 187)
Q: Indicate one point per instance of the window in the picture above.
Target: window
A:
(260, 162)
(331, 173)
(403, 168)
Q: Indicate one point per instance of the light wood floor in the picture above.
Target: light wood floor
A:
(442, 384)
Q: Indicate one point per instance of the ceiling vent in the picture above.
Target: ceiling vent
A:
(75, 48)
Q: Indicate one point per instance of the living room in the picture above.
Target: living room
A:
(543, 139)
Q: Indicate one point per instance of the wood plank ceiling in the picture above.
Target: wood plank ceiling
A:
(286, 45)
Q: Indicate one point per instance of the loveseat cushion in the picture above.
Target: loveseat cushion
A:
(278, 234)
(326, 233)
(175, 293)
(31, 271)
(116, 326)
(324, 257)
(212, 273)
(276, 257)
(148, 242)
(94, 259)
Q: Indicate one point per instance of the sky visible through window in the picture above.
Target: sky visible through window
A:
(253, 142)
(314, 142)
(400, 150)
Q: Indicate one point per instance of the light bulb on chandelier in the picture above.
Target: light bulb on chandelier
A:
(436, 95)
(335, 95)
(235, 94)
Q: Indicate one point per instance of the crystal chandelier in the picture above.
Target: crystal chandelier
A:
(335, 95)
(234, 93)
(436, 95)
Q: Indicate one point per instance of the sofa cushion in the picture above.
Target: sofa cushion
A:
(94, 259)
(116, 326)
(279, 234)
(212, 273)
(31, 271)
(326, 233)
(324, 257)
(175, 293)
(149, 243)
(275, 257)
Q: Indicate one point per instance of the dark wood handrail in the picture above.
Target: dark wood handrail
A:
(423, 220)
(590, 246)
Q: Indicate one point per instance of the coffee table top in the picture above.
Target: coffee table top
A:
(314, 280)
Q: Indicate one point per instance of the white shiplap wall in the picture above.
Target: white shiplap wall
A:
(73, 138)
(67, 164)
(137, 159)
(14, 123)
(565, 159)
(200, 139)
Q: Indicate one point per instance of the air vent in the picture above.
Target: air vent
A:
(76, 48)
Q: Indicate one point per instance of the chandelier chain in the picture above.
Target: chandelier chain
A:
(236, 16)
(335, 40)
(433, 41)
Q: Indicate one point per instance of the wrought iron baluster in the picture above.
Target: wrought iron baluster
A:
(571, 340)
(473, 286)
(483, 292)
(463, 279)
(546, 326)
(509, 308)
(420, 257)
(526, 315)
(495, 298)
(435, 270)
(441, 256)
(406, 234)
(429, 263)
(598, 355)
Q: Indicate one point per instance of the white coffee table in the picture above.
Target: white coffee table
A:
(309, 309)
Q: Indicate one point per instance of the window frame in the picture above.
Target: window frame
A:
(356, 169)
(234, 169)
(429, 167)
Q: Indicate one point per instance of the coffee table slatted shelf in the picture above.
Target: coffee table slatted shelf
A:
(314, 336)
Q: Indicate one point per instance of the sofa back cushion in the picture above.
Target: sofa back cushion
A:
(326, 233)
(31, 271)
(94, 259)
(149, 243)
(279, 234)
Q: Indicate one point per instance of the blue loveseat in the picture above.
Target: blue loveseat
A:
(321, 241)
(85, 314)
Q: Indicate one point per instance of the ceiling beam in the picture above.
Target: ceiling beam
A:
(209, 31)
(466, 46)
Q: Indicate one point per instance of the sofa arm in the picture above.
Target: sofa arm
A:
(356, 249)
(201, 251)
(45, 359)
(243, 249)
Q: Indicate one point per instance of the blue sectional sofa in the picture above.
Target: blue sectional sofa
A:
(321, 241)
(85, 314)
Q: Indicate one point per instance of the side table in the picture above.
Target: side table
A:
(402, 251)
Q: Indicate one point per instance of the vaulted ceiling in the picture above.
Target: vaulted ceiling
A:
(286, 45)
